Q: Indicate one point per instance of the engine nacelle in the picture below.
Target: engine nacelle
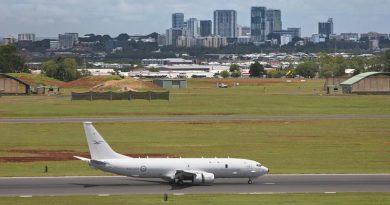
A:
(203, 178)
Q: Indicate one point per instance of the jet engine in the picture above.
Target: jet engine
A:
(203, 178)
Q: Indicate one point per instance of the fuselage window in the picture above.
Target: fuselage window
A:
(226, 166)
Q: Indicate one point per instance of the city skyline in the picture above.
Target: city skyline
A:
(49, 18)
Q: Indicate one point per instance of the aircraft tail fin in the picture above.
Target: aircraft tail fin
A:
(98, 147)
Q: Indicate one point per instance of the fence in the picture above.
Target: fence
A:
(130, 95)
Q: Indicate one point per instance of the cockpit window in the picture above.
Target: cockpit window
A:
(258, 165)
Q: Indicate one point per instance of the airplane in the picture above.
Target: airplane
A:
(198, 171)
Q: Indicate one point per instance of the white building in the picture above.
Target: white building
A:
(350, 36)
(318, 38)
(26, 37)
(285, 39)
(244, 39)
(214, 42)
(9, 40)
(166, 61)
(54, 45)
(186, 41)
(100, 72)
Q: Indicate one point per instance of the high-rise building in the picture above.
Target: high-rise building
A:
(26, 37)
(326, 28)
(75, 37)
(225, 23)
(243, 30)
(274, 20)
(172, 34)
(66, 41)
(177, 20)
(259, 24)
(162, 40)
(192, 27)
(205, 28)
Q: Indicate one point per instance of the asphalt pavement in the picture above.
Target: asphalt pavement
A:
(273, 183)
(187, 118)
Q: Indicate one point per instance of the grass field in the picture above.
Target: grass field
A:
(280, 199)
(252, 97)
(315, 146)
(304, 146)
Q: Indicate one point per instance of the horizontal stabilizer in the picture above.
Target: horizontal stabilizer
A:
(82, 159)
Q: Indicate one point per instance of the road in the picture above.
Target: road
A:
(273, 183)
(187, 118)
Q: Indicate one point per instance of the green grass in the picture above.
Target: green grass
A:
(36, 79)
(280, 199)
(203, 98)
(315, 146)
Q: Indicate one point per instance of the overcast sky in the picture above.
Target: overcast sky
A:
(48, 18)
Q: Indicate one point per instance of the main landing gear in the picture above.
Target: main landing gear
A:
(250, 181)
(178, 182)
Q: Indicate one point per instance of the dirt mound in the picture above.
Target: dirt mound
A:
(60, 155)
(90, 81)
(125, 84)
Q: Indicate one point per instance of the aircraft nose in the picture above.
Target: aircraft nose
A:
(265, 169)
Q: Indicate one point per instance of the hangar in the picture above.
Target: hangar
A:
(368, 83)
(10, 85)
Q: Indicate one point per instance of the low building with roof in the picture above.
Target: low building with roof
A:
(10, 85)
(171, 83)
(367, 83)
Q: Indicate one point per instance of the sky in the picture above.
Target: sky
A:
(48, 18)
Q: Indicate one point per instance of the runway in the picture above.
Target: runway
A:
(273, 183)
(187, 118)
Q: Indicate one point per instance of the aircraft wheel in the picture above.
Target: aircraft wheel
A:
(180, 182)
(250, 181)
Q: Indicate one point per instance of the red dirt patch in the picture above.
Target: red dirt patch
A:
(87, 82)
(61, 155)
(125, 84)
(247, 81)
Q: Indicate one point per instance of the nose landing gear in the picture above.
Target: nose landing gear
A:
(250, 181)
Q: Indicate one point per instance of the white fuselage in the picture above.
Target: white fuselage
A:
(166, 168)
(198, 170)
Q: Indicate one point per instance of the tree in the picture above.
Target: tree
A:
(62, 69)
(236, 74)
(256, 69)
(10, 61)
(225, 74)
(276, 73)
(386, 59)
(154, 70)
(234, 68)
(123, 37)
(307, 69)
